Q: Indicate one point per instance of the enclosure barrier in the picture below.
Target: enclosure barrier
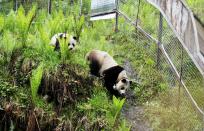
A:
(177, 56)
(182, 22)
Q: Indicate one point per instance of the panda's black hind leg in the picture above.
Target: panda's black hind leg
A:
(94, 68)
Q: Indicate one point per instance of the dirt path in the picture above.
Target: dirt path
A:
(135, 116)
(133, 113)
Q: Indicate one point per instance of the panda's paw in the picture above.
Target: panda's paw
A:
(114, 87)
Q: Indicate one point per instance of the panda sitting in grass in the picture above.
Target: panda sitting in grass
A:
(103, 65)
(55, 41)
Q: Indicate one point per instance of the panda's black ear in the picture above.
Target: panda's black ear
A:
(75, 38)
(124, 80)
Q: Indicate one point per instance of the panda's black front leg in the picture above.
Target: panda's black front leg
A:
(94, 68)
(110, 87)
(57, 46)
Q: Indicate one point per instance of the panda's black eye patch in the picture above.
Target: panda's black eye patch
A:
(73, 44)
(68, 44)
(122, 88)
(75, 38)
(124, 80)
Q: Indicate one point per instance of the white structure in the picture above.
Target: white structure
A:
(103, 9)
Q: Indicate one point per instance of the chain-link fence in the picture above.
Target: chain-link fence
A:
(172, 61)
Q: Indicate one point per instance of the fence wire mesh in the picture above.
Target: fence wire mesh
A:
(185, 111)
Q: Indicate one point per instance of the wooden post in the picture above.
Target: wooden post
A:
(159, 38)
(71, 2)
(49, 6)
(15, 5)
(116, 19)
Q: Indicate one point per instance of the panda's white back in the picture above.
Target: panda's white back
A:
(108, 62)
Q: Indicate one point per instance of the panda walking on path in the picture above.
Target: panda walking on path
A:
(103, 65)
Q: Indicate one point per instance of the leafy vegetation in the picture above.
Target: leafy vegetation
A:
(197, 8)
(35, 81)
(100, 109)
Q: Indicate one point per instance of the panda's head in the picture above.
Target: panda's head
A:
(122, 85)
(72, 42)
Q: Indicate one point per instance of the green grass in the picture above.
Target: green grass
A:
(101, 109)
(173, 112)
(197, 7)
(35, 81)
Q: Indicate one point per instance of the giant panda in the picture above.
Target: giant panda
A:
(55, 41)
(101, 64)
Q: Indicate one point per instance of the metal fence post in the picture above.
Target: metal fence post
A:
(116, 19)
(159, 38)
(203, 123)
(138, 11)
(49, 6)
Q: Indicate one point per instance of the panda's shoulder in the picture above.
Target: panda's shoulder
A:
(113, 71)
(117, 69)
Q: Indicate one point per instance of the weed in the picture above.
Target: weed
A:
(35, 82)
(99, 106)
(168, 112)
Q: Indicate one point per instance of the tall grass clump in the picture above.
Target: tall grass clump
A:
(7, 45)
(64, 51)
(115, 109)
(100, 109)
(78, 26)
(46, 52)
(2, 21)
(173, 111)
(35, 81)
(58, 23)
(10, 21)
(23, 23)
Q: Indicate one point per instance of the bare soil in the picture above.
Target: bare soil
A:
(133, 113)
